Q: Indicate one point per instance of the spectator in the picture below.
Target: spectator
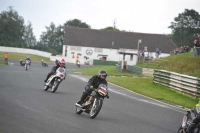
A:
(196, 43)
(181, 49)
(142, 54)
(187, 48)
(157, 53)
(146, 55)
(6, 57)
(176, 51)
(196, 48)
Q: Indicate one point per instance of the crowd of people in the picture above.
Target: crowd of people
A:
(182, 49)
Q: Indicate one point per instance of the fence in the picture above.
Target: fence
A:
(182, 83)
(25, 50)
(103, 62)
(137, 70)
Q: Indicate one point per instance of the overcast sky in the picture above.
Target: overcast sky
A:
(145, 16)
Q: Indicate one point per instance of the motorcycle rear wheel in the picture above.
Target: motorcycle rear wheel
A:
(96, 108)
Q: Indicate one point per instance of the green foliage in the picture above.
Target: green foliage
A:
(77, 23)
(185, 27)
(110, 28)
(52, 40)
(11, 28)
(28, 37)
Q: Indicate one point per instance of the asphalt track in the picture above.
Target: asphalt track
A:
(26, 108)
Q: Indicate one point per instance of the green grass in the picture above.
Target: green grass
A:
(184, 63)
(142, 85)
(110, 69)
(18, 56)
(3, 63)
(145, 86)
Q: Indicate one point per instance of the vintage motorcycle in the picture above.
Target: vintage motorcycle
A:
(44, 64)
(187, 120)
(22, 63)
(27, 64)
(78, 64)
(93, 103)
(54, 80)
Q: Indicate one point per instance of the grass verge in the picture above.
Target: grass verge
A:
(18, 56)
(143, 85)
(184, 63)
(3, 63)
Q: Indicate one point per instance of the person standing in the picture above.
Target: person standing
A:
(197, 45)
(196, 48)
(157, 53)
(6, 57)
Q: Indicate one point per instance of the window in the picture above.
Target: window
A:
(75, 48)
(98, 50)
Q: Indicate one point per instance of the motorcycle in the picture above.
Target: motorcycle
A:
(44, 64)
(27, 64)
(78, 64)
(22, 63)
(187, 120)
(93, 103)
(54, 80)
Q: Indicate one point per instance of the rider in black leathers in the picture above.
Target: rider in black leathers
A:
(53, 70)
(195, 121)
(93, 83)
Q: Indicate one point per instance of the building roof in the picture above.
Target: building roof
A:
(127, 40)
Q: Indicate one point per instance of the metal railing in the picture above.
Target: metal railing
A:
(182, 83)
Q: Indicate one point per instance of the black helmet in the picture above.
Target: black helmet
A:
(102, 73)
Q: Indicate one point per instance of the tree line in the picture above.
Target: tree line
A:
(14, 32)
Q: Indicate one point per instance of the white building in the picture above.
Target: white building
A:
(88, 44)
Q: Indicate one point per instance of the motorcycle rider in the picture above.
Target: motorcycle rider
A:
(195, 121)
(28, 59)
(93, 83)
(53, 70)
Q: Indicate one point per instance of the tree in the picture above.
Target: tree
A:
(185, 27)
(110, 28)
(77, 23)
(28, 37)
(11, 28)
(52, 39)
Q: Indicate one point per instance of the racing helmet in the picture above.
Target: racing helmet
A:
(102, 74)
(62, 63)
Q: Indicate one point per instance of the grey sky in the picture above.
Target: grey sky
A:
(146, 16)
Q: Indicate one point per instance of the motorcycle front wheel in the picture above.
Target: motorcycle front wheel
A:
(26, 67)
(180, 130)
(46, 88)
(55, 86)
(78, 110)
(96, 108)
